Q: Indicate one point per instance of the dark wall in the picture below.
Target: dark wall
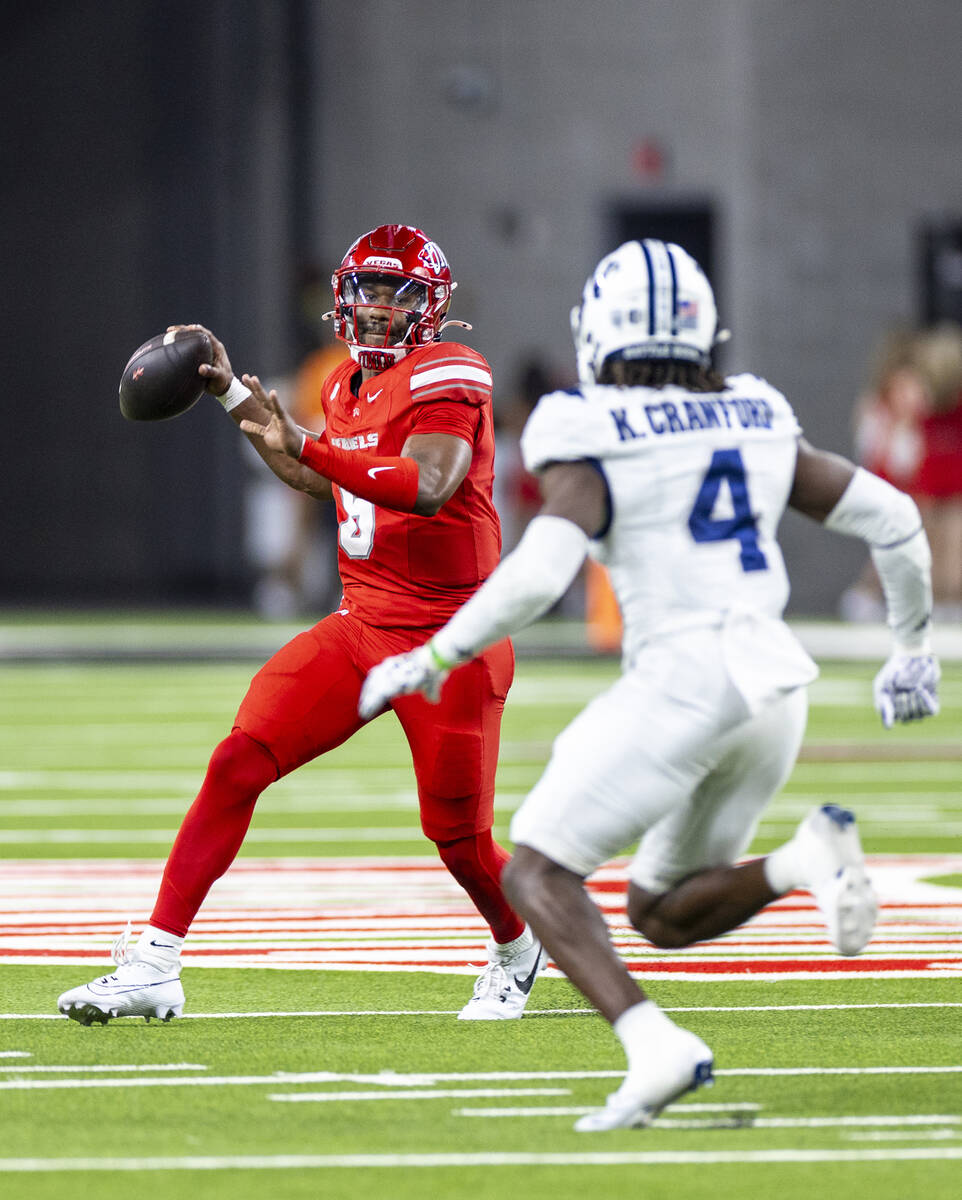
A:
(123, 209)
(166, 159)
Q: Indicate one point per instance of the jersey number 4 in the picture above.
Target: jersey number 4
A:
(727, 465)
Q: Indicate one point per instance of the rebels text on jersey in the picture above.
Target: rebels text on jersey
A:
(401, 570)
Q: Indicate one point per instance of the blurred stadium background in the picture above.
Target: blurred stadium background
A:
(207, 160)
(189, 160)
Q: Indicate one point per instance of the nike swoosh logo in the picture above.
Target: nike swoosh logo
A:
(372, 471)
(163, 945)
(372, 396)
(525, 985)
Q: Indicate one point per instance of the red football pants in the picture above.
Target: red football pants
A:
(302, 703)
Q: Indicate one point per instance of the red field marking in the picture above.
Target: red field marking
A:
(315, 914)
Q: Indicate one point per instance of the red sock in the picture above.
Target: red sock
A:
(476, 863)
(213, 829)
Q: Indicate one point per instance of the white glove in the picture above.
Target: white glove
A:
(419, 670)
(906, 688)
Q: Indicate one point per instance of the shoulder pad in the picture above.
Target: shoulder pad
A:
(562, 428)
(449, 371)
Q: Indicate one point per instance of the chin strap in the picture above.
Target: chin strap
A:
(377, 358)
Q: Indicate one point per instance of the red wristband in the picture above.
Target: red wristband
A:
(390, 482)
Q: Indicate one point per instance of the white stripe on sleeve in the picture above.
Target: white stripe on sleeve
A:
(447, 374)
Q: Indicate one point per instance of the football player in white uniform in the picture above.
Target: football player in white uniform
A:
(676, 479)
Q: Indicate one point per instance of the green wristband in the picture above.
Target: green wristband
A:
(441, 663)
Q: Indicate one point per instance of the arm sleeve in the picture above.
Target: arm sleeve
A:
(526, 583)
(390, 482)
(889, 521)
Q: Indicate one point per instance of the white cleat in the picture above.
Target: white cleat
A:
(137, 989)
(503, 987)
(679, 1062)
(829, 845)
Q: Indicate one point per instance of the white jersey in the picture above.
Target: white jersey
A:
(698, 483)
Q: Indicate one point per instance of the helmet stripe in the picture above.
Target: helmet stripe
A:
(674, 291)
(661, 288)
(651, 288)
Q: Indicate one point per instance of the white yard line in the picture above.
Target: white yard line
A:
(289, 1078)
(534, 1012)
(416, 1094)
(893, 1135)
(430, 1078)
(740, 1118)
(104, 1068)
(274, 1162)
(771, 1071)
(536, 1111)
(811, 1007)
(820, 1122)
(740, 1106)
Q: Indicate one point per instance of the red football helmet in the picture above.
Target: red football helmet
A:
(391, 292)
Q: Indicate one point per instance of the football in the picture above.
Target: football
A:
(160, 380)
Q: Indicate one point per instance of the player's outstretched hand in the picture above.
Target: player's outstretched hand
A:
(416, 671)
(906, 688)
(280, 433)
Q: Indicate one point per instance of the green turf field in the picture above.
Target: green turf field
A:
(361, 1083)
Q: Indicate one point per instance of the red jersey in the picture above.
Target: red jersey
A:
(939, 476)
(401, 570)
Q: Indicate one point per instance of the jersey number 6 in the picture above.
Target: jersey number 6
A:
(727, 465)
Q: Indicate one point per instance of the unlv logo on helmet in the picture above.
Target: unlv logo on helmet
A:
(375, 262)
(433, 258)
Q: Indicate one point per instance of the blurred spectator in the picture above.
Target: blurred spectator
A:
(938, 486)
(889, 414)
(909, 431)
(291, 538)
(516, 494)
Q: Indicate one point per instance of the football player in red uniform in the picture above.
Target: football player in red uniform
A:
(407, 453)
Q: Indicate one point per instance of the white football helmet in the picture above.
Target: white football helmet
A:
(646, 299)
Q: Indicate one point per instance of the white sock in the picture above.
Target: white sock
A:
(524, 941)
(160, 948)
(638, 1027)
(782, 868)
